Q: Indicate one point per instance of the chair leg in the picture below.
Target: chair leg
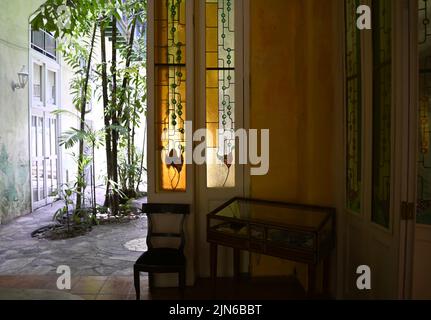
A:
(137, 282)
(182, 282)
(151, 281)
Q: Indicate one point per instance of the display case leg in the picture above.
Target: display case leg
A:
(311, 280)
(236, 264)
(327, 276)
(213, 265)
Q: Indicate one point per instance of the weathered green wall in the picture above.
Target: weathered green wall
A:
(14, 117)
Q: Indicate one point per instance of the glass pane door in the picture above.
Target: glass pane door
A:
(51, 156)
(44, 153)
(38, 162)
(51, 88)
(220, 92)
(44, 126)
(382, 112)
(37, 84)
(354, 110)
(424, 152)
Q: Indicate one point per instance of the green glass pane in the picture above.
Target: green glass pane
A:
(354, 109)
(424, 152)
(382, 111)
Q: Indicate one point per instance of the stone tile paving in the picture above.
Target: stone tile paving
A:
(100, 252)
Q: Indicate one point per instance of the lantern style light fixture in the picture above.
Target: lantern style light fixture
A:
(22, 79)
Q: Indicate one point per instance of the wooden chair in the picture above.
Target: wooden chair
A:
(162, 260)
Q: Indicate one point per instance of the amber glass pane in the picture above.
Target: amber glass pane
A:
(211, 59)
(170, 92)
(212, 106)
(424, 152)
(354, 108)
(220, 92)
(382, 111)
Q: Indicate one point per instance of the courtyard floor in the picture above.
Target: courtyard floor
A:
(108, 250)
(101, 264)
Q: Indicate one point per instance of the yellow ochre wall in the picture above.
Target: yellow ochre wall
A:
(293, 93)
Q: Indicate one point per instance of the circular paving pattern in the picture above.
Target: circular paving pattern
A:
(138, 245)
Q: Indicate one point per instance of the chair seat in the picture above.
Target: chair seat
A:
(162, 257)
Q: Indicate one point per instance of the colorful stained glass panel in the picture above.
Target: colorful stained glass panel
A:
(354, 108)
(220, 92)
(170, 91)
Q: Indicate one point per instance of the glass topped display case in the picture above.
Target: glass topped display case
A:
(290, 231)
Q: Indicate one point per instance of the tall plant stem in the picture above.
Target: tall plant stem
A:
(115, 122)
(93, 148)
(107, 118)
(82, 124)
(118, 111)
(129, 146)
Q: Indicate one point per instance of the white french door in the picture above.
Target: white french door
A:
(44, 131)
(377, 93)
(399, 257)
(44, 156)
(195, 73)
(221, 37)
(418, 204)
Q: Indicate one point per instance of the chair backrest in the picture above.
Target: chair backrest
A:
(152, 209)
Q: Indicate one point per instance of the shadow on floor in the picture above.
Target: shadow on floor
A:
(121, 288)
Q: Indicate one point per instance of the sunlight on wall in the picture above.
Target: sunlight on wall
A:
(292, 93)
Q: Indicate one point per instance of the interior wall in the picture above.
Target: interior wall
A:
(295, 93)
(14, 120)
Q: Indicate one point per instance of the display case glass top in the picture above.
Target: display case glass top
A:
(275, 213)
(297, 232)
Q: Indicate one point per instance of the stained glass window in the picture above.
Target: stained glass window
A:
(170, 92)
(382, 111)
(354, 108)
(424, 165)
(220, 92)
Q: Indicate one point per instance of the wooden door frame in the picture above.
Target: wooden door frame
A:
(338, 276)
(409, 167)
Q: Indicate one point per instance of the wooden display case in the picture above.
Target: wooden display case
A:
(289, 231)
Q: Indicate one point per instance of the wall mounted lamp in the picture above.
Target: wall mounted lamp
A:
(22, 79)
